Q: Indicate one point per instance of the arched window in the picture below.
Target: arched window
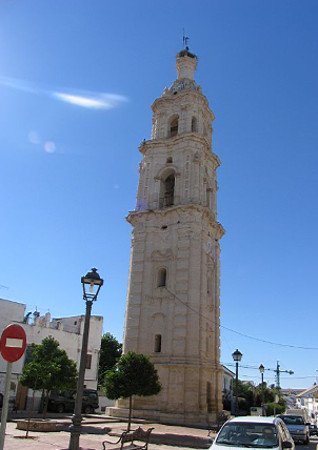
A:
(158, 343)
(174, 125)
(169, 190)
(194, 125)
(162, 277)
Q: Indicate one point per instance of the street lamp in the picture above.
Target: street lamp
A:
(237, 356)
(91, 283)
(262, 369)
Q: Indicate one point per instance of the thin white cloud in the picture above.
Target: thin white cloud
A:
(84, 99)
(91, 100)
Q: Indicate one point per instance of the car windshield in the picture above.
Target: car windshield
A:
(293, 420)
(248, 435)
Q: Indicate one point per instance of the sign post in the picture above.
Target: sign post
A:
(12, 347)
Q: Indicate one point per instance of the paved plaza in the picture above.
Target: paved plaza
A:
(95, 430)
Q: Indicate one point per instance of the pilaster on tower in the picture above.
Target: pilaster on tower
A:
(173, 299)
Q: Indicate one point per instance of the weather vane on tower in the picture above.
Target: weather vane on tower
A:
(185, 41)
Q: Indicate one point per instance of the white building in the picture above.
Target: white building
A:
(289, 395)
(227, 391)
(308, 399)
(68, 331)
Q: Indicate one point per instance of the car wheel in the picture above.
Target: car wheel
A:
(60, 408)
(88, 409)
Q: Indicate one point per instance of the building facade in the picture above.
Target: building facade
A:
(227, 389)
(172, 311)
(68, 331)
(308, 400)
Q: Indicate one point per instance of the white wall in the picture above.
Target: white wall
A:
(68, 331)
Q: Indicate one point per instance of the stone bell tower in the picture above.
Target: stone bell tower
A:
(173, 312)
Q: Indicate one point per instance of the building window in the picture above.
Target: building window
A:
(88, 361)
(169, 190)
(169, 160)
(209, 397)
(174, 125)
(194, 125)
(158, 343)
(162, 277)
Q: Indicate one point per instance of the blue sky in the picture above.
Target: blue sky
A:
(77, 79)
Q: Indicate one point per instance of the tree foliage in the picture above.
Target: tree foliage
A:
(134, 374)
(110, 353)
(250, 395)
(49, 368)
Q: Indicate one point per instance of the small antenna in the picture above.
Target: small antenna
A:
(185, 40)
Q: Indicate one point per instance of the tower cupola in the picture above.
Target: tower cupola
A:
(186, 64)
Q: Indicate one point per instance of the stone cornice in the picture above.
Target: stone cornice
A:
(136, 216)
(183, 96)
(190, 363)
(170, 143)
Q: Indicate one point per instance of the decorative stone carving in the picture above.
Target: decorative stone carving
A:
(166, 255)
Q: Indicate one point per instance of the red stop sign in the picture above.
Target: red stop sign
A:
(12, 343)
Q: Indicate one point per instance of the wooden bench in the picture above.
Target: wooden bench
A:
(137, 440)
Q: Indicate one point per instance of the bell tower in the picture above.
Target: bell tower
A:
(173, 304)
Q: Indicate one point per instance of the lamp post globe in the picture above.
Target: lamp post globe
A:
(237, 356)
(262, 370)
(91, 283)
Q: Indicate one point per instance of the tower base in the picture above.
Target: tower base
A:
(189, 418)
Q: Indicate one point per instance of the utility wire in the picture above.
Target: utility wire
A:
(265, 341)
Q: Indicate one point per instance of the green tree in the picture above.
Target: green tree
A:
(245, 394)
(250, 395)
(264, 392)
(49, 368)
(134, 374)
(110, 352)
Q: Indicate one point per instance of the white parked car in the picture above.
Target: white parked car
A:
(251, 432)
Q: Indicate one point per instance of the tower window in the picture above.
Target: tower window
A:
(174, 125)
(194, 125)
(158, 343)
(169, 160)
(168, 191)
(88, 363)
(209, 397)
(162, 277)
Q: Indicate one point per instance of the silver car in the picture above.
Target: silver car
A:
(297, 427)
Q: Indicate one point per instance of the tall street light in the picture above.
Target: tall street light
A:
(91, 283)
(237, 356)
(262, 369)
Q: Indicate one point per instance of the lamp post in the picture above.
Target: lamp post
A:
(262, 369)
(91, 283)
(237, 356)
